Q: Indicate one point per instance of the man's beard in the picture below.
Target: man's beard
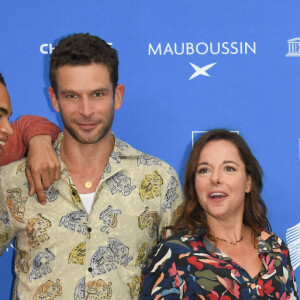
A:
(107, 123)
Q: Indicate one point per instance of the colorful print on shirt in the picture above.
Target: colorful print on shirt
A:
(190, 267)
(63, 252)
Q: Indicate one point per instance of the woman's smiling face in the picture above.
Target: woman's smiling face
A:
(221, 180)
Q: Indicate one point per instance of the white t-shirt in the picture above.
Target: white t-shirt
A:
(87, 200)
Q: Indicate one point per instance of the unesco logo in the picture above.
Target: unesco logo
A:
(294, 47)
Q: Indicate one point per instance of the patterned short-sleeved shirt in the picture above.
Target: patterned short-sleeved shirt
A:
(190, 267)
(62, 252)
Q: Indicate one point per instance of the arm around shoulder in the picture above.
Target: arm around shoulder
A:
(25, 128)
(30, 126)
(36, 135)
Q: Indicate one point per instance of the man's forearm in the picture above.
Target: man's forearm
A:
(25, 128)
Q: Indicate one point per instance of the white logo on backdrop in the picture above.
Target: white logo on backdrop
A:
(201, 71)
(293, 240)
(202, 48)
(294, 47)
(197, 133)
(48, 48)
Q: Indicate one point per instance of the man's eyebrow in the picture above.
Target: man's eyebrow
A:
(67, 92)
(4, 110)
(101, 90)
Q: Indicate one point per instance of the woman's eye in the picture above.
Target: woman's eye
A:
(202, 171)
(229, 169)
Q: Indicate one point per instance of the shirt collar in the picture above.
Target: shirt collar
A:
(114, 165)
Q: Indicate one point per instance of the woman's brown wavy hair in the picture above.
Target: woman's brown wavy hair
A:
(255, 209)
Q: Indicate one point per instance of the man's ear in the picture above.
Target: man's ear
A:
(53, 98)
(119, 93)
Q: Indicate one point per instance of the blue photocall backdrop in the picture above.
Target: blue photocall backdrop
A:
(188, 66)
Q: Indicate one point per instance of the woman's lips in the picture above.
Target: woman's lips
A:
(217, 195)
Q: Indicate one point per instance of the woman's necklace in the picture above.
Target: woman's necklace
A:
(88, 184)
(232, 243)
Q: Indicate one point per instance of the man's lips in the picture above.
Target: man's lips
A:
(87, 126)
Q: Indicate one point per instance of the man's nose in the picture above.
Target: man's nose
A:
(6, 128)
(86, 107)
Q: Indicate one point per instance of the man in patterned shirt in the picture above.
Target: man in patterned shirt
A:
(110, 207)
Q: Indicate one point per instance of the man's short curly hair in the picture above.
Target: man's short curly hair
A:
(83, 49)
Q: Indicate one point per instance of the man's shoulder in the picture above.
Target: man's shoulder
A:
(16, 168)
(142, 158)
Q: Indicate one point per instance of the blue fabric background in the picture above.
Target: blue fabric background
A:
(256, 94)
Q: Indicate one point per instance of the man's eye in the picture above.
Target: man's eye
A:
(71, 96)
(229, 169)
(98, 94)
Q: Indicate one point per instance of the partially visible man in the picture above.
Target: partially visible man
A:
(33, 135)
(112, 203)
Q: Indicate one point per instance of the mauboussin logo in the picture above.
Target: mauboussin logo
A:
(201, 49)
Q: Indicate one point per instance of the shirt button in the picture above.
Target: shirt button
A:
(253, 297)
(89, 229)
(90, 269)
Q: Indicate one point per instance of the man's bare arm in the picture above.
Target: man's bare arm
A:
(43, 166)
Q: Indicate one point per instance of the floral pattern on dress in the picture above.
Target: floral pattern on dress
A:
(190, 267)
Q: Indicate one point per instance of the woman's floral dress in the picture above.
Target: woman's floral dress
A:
(190, 267)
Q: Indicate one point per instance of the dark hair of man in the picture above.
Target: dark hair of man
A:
(83, 49)
(255, 209)
(2, 80)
